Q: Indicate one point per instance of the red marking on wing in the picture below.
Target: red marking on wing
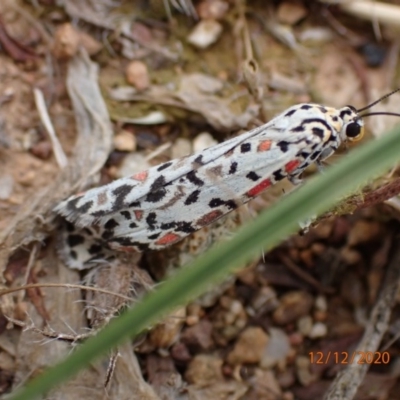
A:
(210, 217)
(264, 145)
(259, 188)
(168, 239)
(291, 165)
(126, 249)
(138, 214)
(140, 176)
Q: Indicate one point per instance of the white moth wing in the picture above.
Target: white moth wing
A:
(101, 198)
(186, 207)
(98, 205)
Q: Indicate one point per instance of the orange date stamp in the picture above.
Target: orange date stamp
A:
(345, 357)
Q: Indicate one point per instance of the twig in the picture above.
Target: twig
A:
(61, 158)
(345, 386)
(64, 285)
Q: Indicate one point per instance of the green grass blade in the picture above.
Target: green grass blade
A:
(267, 230)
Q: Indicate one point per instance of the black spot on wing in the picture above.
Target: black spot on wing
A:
(157, 190)
(167, 226)
(290, 113)
(322, 109)
(193, 178)
(83, 209)
(297, 129)
(318, 132)
(192, 198)
(126, 215)
(73, 254)
(69, 226)
(183, 226)
(245, 147)
(133, 225)
(154, 236)
(279, 175)
(111, 224)
(107, 234)
(75, 240)
(216, 202)
(199, 159)
(233, 168)
(151, 220)
(283, 145)
(128, 242)
(304, 154)
(120, 193)
(253, 176)
(231, 204)
(95, 249)
(306, 106)
(134, 204)
(164, 166)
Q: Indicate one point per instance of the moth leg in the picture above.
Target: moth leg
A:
(295, 179)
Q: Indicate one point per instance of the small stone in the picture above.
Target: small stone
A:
(6, 186)
(167, 332)
(215, 9)
(198, 336)
(293, 305)
(137, 75)
(66, 41)
(181, 148)
(125, 141)
(321, 303)
(204, 369)
(249, 347)
(26, 178)
(350, 256)
(318, 330)
(277, 349)
(363, 232)
(291, 13)
(205, 33)
(203, 141)
(180, 352)
(42, 150)
(264, 385)
(305, 324)
(303, 371)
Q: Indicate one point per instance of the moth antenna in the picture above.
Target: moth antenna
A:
(380, 113)
(378, 101)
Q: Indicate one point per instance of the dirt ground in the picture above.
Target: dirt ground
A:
(94, 91)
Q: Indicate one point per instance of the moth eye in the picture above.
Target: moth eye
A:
(354, 132)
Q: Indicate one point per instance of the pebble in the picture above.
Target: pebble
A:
(293, 305)
(249, 347)
(305, 325)
(363, 232)
(215, 9)
(137, 75)
(277, 349)
(166, 333)
(204, 369)
(125, 141)
(6, 186)
(318, 330)
(205, 33)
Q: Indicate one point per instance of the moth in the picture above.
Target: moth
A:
(156, 208)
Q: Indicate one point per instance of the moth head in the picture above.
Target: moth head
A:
(353, 126)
